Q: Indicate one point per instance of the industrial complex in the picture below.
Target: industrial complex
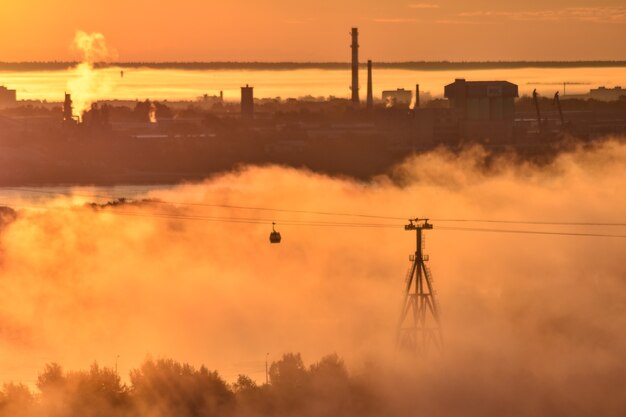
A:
(334, 135)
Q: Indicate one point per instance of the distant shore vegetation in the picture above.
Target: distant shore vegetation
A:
(276, 66)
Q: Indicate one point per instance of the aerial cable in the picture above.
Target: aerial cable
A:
(228, 206)
(305, 223)
(529, 232)
(328, 213)
(530, 222)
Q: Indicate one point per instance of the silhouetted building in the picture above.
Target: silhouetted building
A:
(433, 126)
(68, 111)
(8, 98)
(355, 65)
(370, 93)
(247, 101)
(398, 98)
(486, 109)
(607, 94)
(207, 100)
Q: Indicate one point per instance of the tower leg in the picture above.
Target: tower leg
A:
(419, 325)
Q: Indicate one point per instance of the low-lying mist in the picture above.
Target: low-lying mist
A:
(533, 324)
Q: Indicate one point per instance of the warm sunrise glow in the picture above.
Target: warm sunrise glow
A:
(273, 208)
(279, 30)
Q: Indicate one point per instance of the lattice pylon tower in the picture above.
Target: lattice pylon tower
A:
(419, 327)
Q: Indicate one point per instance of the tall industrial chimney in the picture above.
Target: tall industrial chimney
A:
(417, 96)
(355, 65)
(370, 94)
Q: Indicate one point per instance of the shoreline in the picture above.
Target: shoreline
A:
(290, 66)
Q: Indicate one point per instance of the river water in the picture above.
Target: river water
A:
(175, 84)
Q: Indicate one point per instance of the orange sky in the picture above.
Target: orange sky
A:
(284, 30)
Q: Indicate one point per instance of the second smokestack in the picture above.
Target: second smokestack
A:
(370, 93)
(417, 96)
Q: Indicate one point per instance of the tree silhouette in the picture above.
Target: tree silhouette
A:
(171, 388)
(289, 379)
(97, 392)
(16, 400)
(165, 388)
(253, 400)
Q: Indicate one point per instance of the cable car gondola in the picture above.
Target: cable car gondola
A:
(274, 236)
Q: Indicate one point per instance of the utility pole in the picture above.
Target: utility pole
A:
(536, 101)
(419, 325)
(267, 375)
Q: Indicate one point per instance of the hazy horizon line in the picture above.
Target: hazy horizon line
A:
(329, 65)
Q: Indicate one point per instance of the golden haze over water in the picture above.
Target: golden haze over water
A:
(172, 84)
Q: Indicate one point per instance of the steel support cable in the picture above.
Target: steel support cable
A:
(530, 232)
(247, 220)
(228, 206)
(329, 213)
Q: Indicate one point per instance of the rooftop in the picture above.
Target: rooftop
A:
(462, 88)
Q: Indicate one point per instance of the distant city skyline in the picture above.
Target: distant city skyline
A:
(318, 31)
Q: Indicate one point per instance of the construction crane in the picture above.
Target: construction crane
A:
(536, 101)
(557, 103)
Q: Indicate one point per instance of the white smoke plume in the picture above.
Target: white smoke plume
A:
(88, 84)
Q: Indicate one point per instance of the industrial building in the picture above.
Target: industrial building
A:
(485, 109)
(607, 94)
(397, 98)
(8, 98)
(247, 102)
